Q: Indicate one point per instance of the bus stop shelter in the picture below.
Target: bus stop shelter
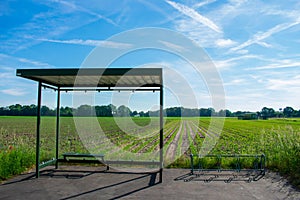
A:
(93, 79)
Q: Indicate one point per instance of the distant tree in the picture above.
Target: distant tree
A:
(4, 111)
(29, 110)
(84, 110)
(225, 113)
(103, 111)
(123, 111)
(134, 113)
(174, 112)
(211, 111)
(45, 111)
(15, 109)
(267, 112)
(66, 111)
(297, 113)
(204, 112)
(190, 112)
(142, 114)
(288, 111)
(113, 109)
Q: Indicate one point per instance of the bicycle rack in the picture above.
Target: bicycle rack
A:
(215, 167)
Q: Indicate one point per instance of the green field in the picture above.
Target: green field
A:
(278, 139)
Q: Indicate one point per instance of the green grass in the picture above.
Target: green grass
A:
(15, 161)
(278, 139)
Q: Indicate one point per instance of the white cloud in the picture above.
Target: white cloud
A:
(242, 51)
(257, 38)
(195, 15)
(278, 65)
(291, 84)
(74, 7)
(198, 32)
(13, 59)
(292, 14)
(33, 62)
(173, 46)
(203, 3)
(14, 92)
(103, 43)
(59, 18)
(225, 43)
(235, 82)
(232, 9)
(227, 63)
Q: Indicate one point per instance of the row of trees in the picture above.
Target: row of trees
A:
(286, 112)
(112, 110)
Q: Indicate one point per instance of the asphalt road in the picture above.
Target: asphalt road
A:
(94, 183)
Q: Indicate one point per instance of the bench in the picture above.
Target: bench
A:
(66, 157)
(82, 155)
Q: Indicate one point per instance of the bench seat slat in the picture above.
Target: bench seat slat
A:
(82, 155)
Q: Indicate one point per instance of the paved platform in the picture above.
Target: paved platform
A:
(79, 182)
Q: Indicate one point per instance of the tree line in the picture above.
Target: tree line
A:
(121, 111)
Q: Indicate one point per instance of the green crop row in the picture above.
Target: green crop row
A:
(278, 139)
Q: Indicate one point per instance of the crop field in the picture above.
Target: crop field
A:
(278, 139)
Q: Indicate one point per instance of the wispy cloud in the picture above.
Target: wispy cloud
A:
(195, 15)
(173, 46)
(257, 38)
(235, 82)
(14, 92)
(280, 64)
(203, 3)
(24, 60)
(33, 62)
(60, 17)
(76, 7)
(204, 36)
(225, 43)
(155, 7)
(102, 43)
(291, 14)
(227, 63)
(5, 75)
(291, 84)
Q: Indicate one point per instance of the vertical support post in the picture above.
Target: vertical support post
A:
(161, 132)
(38, 124)
(57, 127)
(192, 163)
(263, 163)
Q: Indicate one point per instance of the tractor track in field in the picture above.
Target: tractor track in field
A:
(206, 132)
(171, 151)
(153, 141)
(185, 140)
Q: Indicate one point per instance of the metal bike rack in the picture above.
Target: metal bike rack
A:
(214, 167)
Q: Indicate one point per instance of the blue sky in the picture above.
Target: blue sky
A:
(253, 44)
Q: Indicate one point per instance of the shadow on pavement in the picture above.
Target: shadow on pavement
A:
(115, 183)
(149, 178)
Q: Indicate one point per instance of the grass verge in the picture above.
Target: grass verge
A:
(15, 161)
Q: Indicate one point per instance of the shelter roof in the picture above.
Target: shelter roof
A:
(95, 77)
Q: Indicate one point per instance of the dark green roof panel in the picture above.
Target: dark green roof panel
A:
(95, 77)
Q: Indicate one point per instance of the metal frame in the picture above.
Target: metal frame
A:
(259, 164)
(50, 78)
(217, 172)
